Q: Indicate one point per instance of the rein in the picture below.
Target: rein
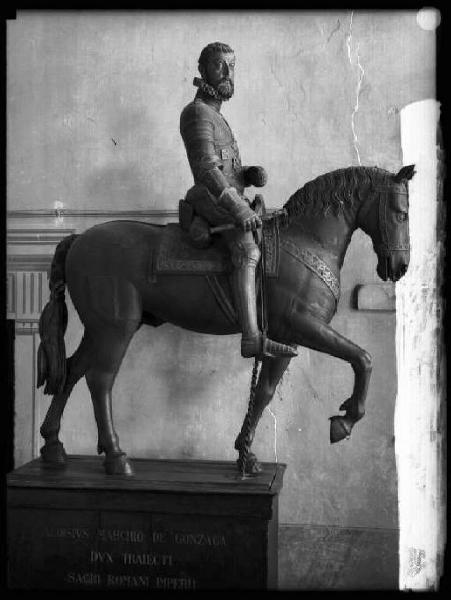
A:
(245, 447)
(384, 248)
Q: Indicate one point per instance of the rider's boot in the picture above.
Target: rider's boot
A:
(245, 257)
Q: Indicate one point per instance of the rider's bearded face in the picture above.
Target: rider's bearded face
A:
(220, 73)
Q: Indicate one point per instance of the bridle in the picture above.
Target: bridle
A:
(384, 248)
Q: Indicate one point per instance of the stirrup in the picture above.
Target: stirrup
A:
(261, 346)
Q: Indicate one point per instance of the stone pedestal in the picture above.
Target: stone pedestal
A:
(173, 525)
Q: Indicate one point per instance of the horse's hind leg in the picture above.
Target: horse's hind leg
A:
(53, 452)
(270, 374)
(110, 345)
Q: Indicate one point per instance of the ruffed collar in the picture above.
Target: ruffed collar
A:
(206, 88)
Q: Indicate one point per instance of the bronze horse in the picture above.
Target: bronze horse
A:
(105, 269)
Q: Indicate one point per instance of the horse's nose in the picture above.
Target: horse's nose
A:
(402, 269)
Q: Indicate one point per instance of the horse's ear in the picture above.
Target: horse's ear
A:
(405, 173)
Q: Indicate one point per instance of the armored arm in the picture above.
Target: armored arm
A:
(244, 216)
(198, 136)
(197, 131)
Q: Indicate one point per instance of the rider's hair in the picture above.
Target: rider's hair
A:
(212, 49)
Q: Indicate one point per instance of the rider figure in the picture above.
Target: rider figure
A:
(217, 195)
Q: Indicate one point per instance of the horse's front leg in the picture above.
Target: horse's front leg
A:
(270, 374)
(313, 333)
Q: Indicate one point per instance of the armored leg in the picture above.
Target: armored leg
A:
(245, 255)
(205, 204)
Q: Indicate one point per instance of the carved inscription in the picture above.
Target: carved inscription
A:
(131, 581)
(195, 539)
(110, 565)
(84, 579)
(73, 533)
(175, 583)
(105, 535)
(152, 560)
(120, 535)
(135, 536)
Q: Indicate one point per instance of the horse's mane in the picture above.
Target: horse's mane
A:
(335, 191)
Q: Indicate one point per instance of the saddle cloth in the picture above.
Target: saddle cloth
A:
(176, 254)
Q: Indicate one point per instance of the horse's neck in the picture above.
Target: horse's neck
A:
(332, 233)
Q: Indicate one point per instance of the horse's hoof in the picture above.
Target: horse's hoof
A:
(339, 429)
(54, 455)
(117, 465)
(251, 467)
(353, 411)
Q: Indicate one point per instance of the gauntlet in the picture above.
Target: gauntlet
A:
(255, 176)
(240, 210)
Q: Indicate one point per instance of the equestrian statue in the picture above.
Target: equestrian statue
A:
(227, 267)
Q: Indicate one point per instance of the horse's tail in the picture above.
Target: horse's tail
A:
(53, 324)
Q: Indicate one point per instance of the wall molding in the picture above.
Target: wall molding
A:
(36, 236)
(61, 213)
(123, 214)
(29, 262)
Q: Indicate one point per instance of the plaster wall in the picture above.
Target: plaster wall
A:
(93, 103)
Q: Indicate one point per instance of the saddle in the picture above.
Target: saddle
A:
(176, 255)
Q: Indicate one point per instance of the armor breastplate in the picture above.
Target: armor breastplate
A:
(201, 122)
(226, 147)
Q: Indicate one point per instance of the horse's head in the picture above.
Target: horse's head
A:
(384, 216)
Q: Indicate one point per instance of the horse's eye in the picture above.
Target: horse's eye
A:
(401, 216)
